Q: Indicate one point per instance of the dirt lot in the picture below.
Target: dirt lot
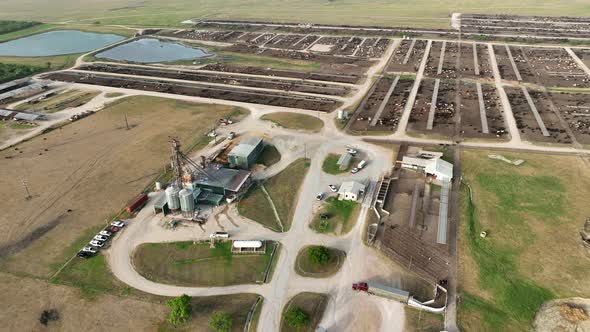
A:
(341, 78)
(220, 78)
(417, 52)
(393, 108)
(83, 173)
(549, 67)
(443, 124)
(575, 110)
(216, 92)
(504, 64)
(471, 124)
(526, 122)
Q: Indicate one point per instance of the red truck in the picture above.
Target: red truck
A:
(137, 202)
(383, 291)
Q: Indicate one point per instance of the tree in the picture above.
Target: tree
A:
(180, 309)
(318, 254)
(296, 317)
(220, 322)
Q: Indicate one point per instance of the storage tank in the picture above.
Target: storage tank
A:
(187, 201)
(172, 197)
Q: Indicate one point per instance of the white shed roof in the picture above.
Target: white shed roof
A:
(253, 244)
(441, 167)
(416, 162)
(351, 187)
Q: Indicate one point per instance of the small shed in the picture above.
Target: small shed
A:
(246, 153)
(6, 114)
(28, 116)
(248, 247)
(350, 191)
(344, 161)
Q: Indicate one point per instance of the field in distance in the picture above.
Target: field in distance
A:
(419, 13)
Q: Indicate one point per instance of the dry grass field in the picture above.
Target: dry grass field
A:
(82, 174)
(533, 214)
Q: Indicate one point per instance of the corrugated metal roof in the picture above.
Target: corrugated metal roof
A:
(344, 159)
(27, 116)
(351, 187)
(13, 83)
(246, 146)
(4, 112)
(229, 179)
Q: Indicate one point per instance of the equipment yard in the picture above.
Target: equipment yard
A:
(301, 177)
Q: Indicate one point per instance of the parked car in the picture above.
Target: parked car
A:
(231, 136)
(219, 235)
(96, 243)
(105, 233)
(319, 196)
(351, 151)
(333, 187)
(90, 249)
(100, 238)
(118, 223)
(362, 164)
(84, 254)
(354, 170)
(113, 229)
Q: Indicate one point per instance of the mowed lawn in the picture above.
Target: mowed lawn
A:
(533, 214)
(199, 265)
(294, 121)
(342, 217)
(304, 266)
(85, 172)
(313, 304)
(378, 12)
(283, 189)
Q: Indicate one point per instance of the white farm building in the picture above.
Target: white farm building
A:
(350, 191)
(438, 169)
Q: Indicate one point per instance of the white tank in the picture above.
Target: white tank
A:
(187, 201)
(172, 197)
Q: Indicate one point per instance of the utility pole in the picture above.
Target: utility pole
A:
(26, 186)
(126, 122)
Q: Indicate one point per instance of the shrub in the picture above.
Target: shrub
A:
(318, 254)
(180, 309)
(220, 322)
(295, 317)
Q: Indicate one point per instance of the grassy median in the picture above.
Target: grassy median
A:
(294, 121)
(199, 265)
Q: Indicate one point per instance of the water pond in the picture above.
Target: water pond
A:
(57, 42)
(150, 50)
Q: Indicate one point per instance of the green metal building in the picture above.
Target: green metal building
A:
(245, 154)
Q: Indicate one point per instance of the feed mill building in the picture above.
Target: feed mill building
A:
(245, 154)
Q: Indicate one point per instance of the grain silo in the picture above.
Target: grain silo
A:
(172, 197)
(187, 202)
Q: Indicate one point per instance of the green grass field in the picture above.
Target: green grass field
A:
(330, 165)
(531, 253)
(380, 12)
(294, 121)
(305, 267)
(269, 156)
(283, 189)
(343, 215)
(188, 264)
